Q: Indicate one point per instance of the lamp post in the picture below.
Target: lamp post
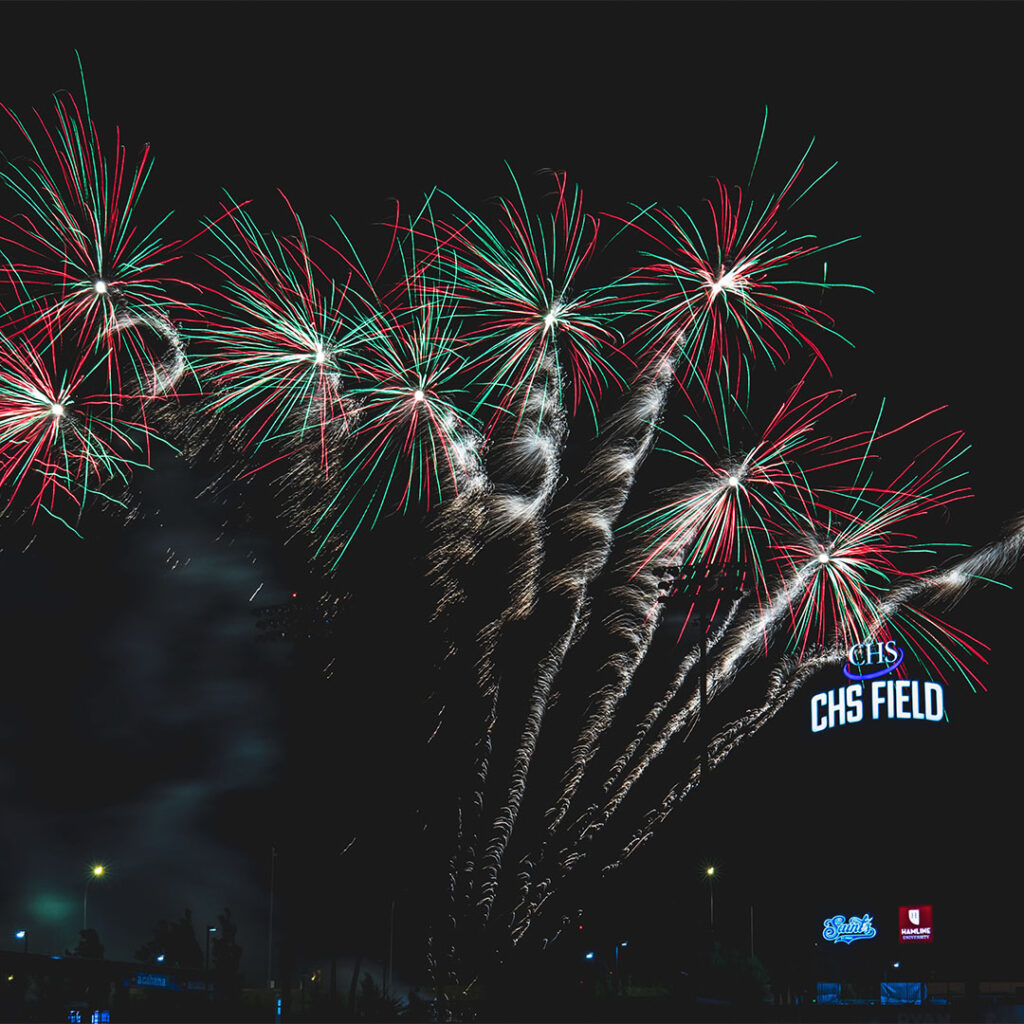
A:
(96, 871)
(209, 931)
(270, 923)
(710, 872)
(22, 936)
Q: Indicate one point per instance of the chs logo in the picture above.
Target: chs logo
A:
(838, 929)
(872, 660)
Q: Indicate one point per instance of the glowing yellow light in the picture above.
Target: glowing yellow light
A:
(98, 870)
(710, 872)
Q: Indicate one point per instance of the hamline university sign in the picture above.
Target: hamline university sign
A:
(873, 688)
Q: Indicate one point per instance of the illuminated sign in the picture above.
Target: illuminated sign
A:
(838, 929)
(874, 688)
(915, 924)
(869, 661)
(153, 981)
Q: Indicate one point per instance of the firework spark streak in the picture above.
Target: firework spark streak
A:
(168, 370)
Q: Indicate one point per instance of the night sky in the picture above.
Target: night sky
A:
(143, 724)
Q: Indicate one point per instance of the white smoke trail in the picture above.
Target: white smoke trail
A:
(632, 626)
(586, 524)
(168, 370)
(502, 520)
(657, 709)
(783, 681)
(742, 641)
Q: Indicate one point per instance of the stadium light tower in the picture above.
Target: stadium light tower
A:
(704, 588)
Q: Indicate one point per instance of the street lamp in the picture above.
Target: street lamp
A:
(710, 872)
(96, 871)
(618, 977)
(209, 931)
(22, 936)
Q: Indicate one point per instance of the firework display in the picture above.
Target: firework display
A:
(580, 452)
(86, 329)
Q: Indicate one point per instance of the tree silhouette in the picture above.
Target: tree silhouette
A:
(226, 953)
(89, 945)
(176, 943)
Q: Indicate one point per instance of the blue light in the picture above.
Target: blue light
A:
(589, 956)
(20, 934)
(160, 958)
(838, 929)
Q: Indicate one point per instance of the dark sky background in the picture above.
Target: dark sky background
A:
(142, 723)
